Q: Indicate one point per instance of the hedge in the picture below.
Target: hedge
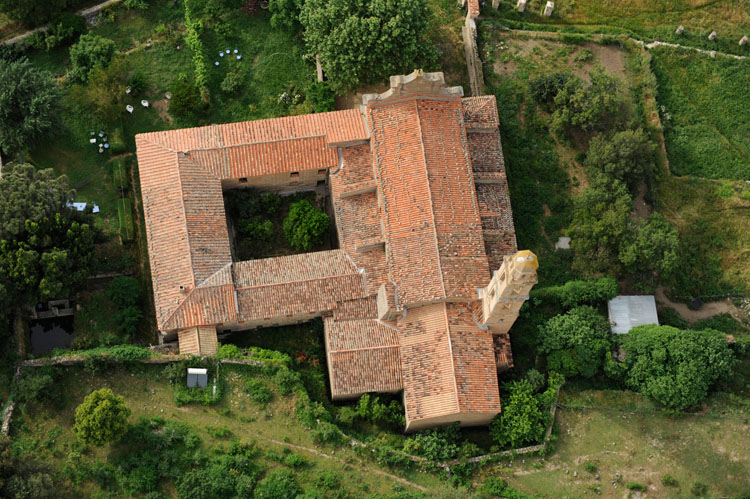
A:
(574, 293)
(125, 214)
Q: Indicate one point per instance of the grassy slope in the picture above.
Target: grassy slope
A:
(705, 448)
(653, 19)
(46, 431)
(709, 103)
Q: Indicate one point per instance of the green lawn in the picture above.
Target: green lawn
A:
(44, 431)
(709, 447)
(708, 103)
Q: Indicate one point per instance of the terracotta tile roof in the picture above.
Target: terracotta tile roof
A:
(473, 7)
(363, 356)
(481, 112)
(198, 341)
(358, 308)
(433, 234)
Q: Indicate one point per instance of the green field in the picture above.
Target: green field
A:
(705, 111)
(625, 434)
(44, 431)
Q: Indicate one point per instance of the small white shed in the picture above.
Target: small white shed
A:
(197, 377)
(627, 312)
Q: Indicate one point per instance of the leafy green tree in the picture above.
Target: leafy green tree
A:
(101, 418)
(28, 105)
(601, 218)
(650, 249)
(285, 14)
(33, 12)
(45, 246)
(525, 414)
(305, 226)
(64, 29)
(585, 106)
(435, 444)
(321, 97)
(576, 342)
(676, 368)
(104, 95)
(89, 52)
(186, 102)
(362, 41)
(278, 484)
(544, 88)
(626, 156)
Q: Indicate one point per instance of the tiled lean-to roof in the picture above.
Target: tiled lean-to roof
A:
(420, 198)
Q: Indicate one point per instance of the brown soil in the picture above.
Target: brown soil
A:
(610, 57)
(706, 311)
(161, 107)
(641, 209)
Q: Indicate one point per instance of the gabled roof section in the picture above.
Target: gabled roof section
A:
(480, 113)
(433, 232)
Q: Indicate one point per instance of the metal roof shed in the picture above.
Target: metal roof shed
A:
(197, 377)
(627, 312)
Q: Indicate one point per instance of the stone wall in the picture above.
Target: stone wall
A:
(304, 180)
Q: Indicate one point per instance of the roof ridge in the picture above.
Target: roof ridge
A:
(256, 143)
(203, 284)
(453, 358)
(429, 193)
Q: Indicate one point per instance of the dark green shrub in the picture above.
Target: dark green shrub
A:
(699, 489)
(321, 97)
(671, 317)
(590, 467)
(637, 487)
(435, 444)
(278, 484)
(574, 293)
(305, 226)
(37, 385)
(545, 87)
(287, 381)
(669, 481)
(576, 342)
(259, 392)
(137, 83)
(327, 480)
(720, 322)
(232, 82)
(256, 232)
(125, 291)
(89, 52)
(65, 29)
(186, 102)
(218, 431)
(496, 487)
(328, 433)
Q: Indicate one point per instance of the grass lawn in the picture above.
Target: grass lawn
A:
(641, 446)
(650, 20)
(707, 101)
(45, 430)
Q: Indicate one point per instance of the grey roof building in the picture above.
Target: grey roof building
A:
(627, 312)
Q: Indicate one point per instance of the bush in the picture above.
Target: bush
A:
(545, 87)
(125, 216)
(229, 352)
(669, 481)
(676, 368)
(435, 444)
(104, 96)
(671, 317)
(124, 291)
(325, 432)
(699, 489)
(259, 392)
(232, 82)
(137, 83)
(256, 231)
(90, 52)
(574, 293)
(66, 28)
(626, 156)
(637, 487)
(305, 226)
(586, 107)
(321, 97)
(101, 418)
(186, 102)
(576, 342)
(278, 484)
(720, 322)
(37, 385)
(369, 408)
(327, 480)
(287, 381)
(135, 4)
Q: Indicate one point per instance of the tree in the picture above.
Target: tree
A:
(28, 105)
(23, 478)
(101, 418)
(285, 14)
(650, 249)
(362, 41)
(321, 97)
(600, 221)
(89, 52)
(626, 156)
(104, 95)
(676, 368)
(586, 106)
(33, 12)
(525, 414)
(186, 102)
(576, 342)
(305, 226)
(544, 88)
(45, 246)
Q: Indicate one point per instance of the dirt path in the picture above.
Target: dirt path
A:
(707, 310)
(327, 456)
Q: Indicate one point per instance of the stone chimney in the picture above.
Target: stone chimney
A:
(508, 289)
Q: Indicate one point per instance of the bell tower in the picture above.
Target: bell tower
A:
(507, 290)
